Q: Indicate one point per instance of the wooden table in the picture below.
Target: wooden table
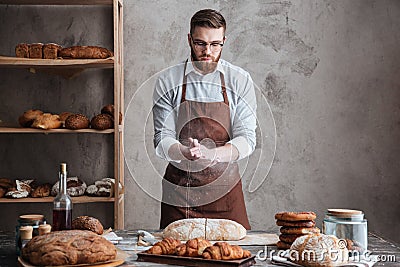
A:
(388, 251)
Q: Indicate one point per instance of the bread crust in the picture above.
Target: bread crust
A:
(68, 248)
(295, 216)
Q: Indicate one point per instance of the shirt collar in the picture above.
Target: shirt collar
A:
(190, 68)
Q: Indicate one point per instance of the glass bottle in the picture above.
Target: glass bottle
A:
(62, 204)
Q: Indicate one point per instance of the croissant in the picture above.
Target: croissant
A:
(193, 247)
(167, 246)
(224, 251)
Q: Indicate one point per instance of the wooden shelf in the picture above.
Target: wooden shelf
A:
(56, 2)
(75, 200)
(15, 62)
(69, 68)
(51, 131)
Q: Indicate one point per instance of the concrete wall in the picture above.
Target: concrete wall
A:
(330, 72)
(328, 69)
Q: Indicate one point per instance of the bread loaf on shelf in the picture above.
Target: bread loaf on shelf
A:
(22, 50)
(85, 52)
(36, 50)
(51, 50)
(210, 229)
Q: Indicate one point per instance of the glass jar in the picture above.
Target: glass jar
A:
(33, 220)
(349, 225)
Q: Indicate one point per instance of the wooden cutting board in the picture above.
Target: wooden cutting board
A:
(251, 239)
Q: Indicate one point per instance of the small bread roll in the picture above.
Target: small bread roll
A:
(76, 122)
(102, 122)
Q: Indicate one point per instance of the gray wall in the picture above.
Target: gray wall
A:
(329, 70)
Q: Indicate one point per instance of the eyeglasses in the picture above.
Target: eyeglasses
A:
(201, 46)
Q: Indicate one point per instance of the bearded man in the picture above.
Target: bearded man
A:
(204, 113)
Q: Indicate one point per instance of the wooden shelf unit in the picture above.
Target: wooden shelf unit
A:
(69, 68)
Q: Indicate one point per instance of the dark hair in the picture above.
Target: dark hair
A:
(208, 18)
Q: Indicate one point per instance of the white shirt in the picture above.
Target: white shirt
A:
(241, 96)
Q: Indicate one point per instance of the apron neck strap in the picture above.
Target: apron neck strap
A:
(221, 75)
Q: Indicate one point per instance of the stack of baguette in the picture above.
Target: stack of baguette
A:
(294, 225)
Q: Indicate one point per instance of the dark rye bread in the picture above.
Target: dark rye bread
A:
(68, 248)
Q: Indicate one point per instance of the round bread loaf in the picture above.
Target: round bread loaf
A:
(68, 248)
(41, 190)
(102, 122)
(319, 250)
(75, 187)
(296, 216)
(88, 223)
(76, 122)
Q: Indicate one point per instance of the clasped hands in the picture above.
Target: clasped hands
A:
(200, 153)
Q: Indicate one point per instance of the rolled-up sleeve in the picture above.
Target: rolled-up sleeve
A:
(164, 120)
(245, 120)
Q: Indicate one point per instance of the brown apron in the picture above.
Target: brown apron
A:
(210, 192)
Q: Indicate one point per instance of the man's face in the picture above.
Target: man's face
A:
(205, 44)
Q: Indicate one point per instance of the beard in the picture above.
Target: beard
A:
(205, 66)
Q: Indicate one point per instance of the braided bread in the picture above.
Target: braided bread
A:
(224, 251)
